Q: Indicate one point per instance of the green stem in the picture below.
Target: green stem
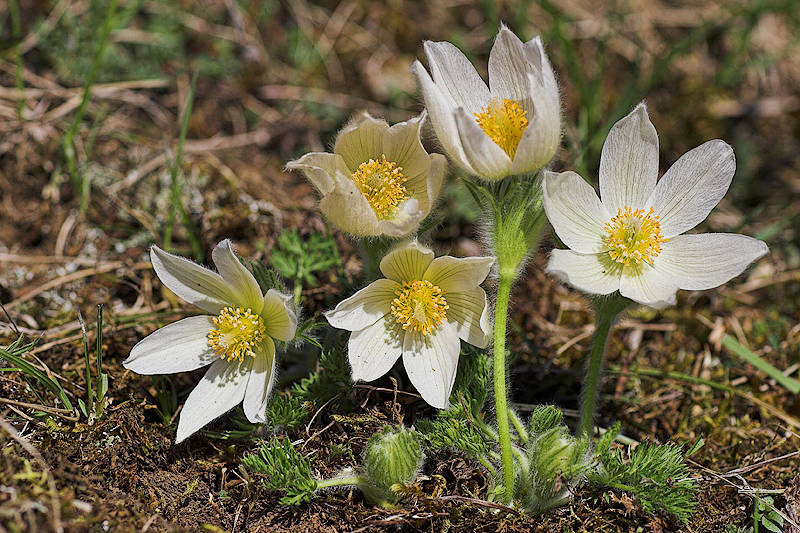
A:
(500, 395)
(373, 251)
(518, 426)
(340, 482)
(606, 313)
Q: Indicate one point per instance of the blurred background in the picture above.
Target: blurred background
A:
(89, 179)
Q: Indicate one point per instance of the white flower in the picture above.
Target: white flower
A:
(236, 338)
(511, 127)
(631, 238)
(379, 180)
(420, 311)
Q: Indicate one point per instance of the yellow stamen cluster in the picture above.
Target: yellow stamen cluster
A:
(238, 332)
(633, 236)
(504, 122)
(420, 306)
(381, 182)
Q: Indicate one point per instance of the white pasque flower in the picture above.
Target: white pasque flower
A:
(379, 180)
(511, 127)
(236, 338)
(420, 311)
(631, 238)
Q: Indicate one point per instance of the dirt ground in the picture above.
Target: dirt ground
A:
(276, 80)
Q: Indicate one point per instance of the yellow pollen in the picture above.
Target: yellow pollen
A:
(420, 306)
(381, 183)
(238, 332)
(504, 122)
(633, 236)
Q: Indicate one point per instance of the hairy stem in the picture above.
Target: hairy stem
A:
(606, 313)
(340, 482)
(500, 394)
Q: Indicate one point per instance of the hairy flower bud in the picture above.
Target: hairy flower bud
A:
(393, 456)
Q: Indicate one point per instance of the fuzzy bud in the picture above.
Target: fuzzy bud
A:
(393, 456)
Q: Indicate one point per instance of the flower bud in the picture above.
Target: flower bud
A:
(393, 456)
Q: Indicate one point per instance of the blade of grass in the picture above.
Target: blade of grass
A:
(13, 354)
(87, 364)
(176, 203)
(790, 384)
(16, 31)
(80, 181)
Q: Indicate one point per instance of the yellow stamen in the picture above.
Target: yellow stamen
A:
(633, 236)
(381, 183)
(504, 122)
(238, 332)
(420, 306)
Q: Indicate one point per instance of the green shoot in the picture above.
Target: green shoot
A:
(95, 400)
(764, 514)
(176, 187)
(285, 470)
(790, 384)
(297, 259)
(80, 181)
(13, 354)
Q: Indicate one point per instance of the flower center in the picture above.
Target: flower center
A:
(504, 122)
(381, 183)
(238, 332)
(633, 236)
(420, 306)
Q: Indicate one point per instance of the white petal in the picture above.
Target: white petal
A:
(403, 221)
(191, 282)
(178, 347)
(509, 67)
(707, 260)
(365, 307)
(629, 162)
(458, 273)
(691, 187)
(244, 285)
(440, 109)
(541, 139)
(425, 187)
(470, 313)
(575, 211)
(259, 384)
(431, 362)
(407, 262)
(279, 316)
(484, 155)
(591, 273)
(318, 168)
(454, 74)
(402, 145)
(220, 390)
(648, 286)
(361, 140)
(373, 350)
(347, 208)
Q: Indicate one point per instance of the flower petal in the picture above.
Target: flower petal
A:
(509, 67)
(648, 286)
(470, 313)
(692, 186)
(707, 260)
(361, 140)
(454, 74)
(540, 140)
(431, 362)
(425, 188)
(402, 145)
(191, 282)
(365, 307)
(347, 208)
(591, 273)
(178, 347)
(220, 390)
(244, 286)
(373, 350)
(318, 168)
(458, 273)
(279, 316)
(404, 220)
(407, 262)
(440, 109)
(629, 162)
(484, 155)
(575, 211)
(259, 384)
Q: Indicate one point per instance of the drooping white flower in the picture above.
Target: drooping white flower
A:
(513, 126)
(420, 311)
(631, 239)
(379, 180)
(236, 338)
